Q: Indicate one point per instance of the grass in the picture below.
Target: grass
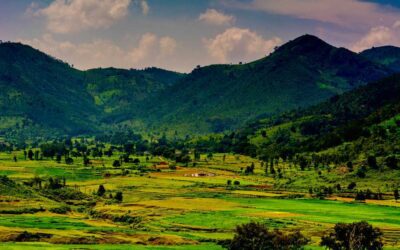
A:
(185, 210)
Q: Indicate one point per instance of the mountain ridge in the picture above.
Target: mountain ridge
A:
(270, 85)
(46, 92)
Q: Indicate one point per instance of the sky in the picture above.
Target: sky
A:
(181, 34)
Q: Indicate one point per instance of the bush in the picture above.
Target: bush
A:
(23, 211)
(101, 190)
(256, 236)
(357, 236)
(352, 185)
(31, 237)
(118, 196)
(60, 210)
(116, 164)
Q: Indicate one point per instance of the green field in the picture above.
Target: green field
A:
(172, 209)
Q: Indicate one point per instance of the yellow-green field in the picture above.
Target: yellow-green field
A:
(175, 209)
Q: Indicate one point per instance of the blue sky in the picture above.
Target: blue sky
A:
(180, 34)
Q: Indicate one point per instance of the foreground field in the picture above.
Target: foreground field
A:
(162, 208)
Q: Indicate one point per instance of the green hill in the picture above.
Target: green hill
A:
(362, 122)
(43, 96)
(386, 55)
(119, 92)
(39, 89)
(300, 73)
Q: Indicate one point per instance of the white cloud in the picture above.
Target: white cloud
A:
(151, 50)
(236, 44)
(167, 46)
(377, 36)
(396, 24)
(145, 48)
(145, 7)
(348, 13)
(212, 16)
(66, 16)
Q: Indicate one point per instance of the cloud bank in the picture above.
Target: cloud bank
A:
(347, 13)
(214, 17)
(151, 50)
(237, 44)
(68, 16)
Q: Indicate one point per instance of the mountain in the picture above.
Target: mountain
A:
(300, 73)
(45, 96)
(385, 55)
(362, 121)
(119, 92)
(39, 89)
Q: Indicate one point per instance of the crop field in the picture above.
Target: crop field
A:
(187, 207)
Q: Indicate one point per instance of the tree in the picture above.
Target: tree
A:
(272, 170)
(361, 172)
(69, 161)
(256, 236)
(264, 133)
(351, 186)
(350, 166)
(58, 158)
(360, 196)
(36, 155)
(391, 162)
(303, 163)
(354, 236)
(30, 154)
(116, 164)
(101, 191)
(371, 160)
(118, 196)
(250, 169)
(396, 194)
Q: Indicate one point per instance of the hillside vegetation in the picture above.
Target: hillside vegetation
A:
(43, 96)
(385, 55)
(301, 72)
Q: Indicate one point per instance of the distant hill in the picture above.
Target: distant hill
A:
(386, 55)
(45, 96)
(364, 121)
(119, 92)
(41, 95)
(301, 72)
(39, 89)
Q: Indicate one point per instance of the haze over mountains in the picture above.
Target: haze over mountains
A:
(42, 92)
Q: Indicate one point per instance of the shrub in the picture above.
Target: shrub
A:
(256, 236)
(116, 164)
(357, 236)
(60, 210)
(101, 190)
(118, 196)
(352, 185)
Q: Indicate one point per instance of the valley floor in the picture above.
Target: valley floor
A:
(184, 208)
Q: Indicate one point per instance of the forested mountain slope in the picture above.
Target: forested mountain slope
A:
(385, 55)
(302, 72)
(364, 121)
(42, 95)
